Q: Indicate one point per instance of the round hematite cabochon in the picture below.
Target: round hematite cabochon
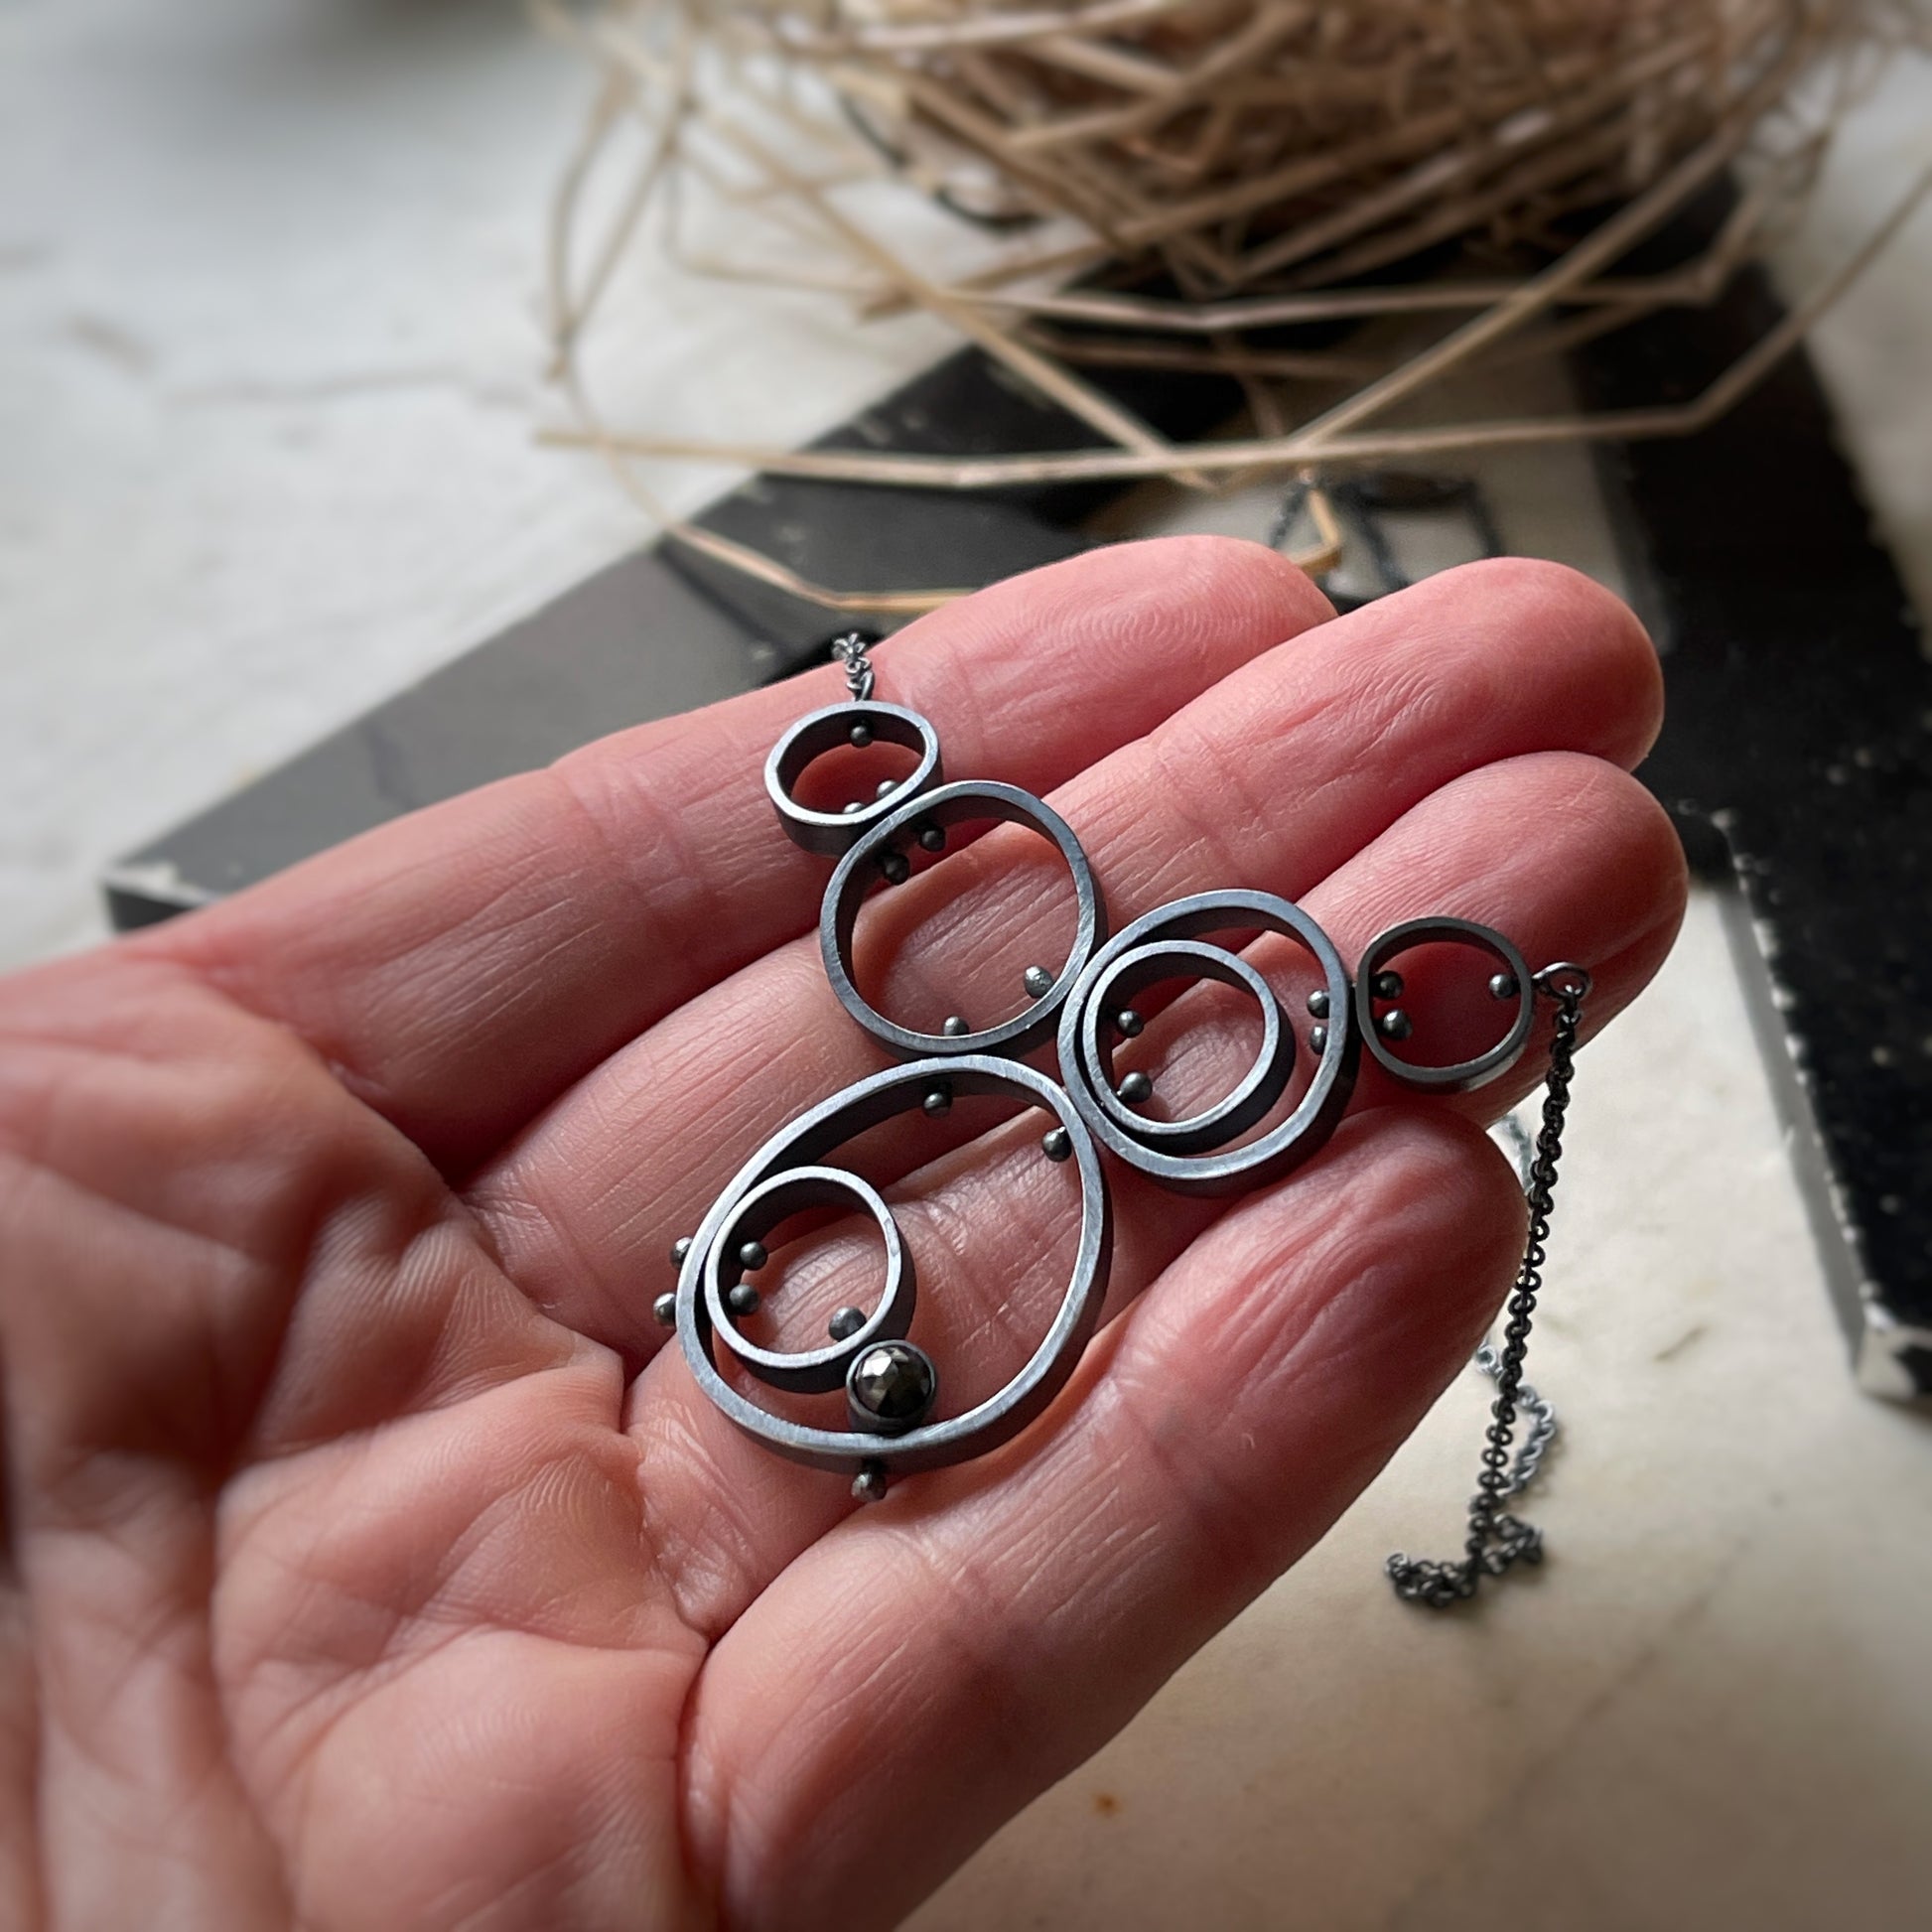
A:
(819, 732)
(810, 1371)
(957, 804)
(801, 1146)
(1462, 1075)
(1180, 1157)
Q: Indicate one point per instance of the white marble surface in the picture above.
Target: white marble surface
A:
(269, 370)
(1709, 1710)
(270, 376)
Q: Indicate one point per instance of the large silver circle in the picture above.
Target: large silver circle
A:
(1462, 1075)
(957, 804)
(804, 1144)
(818, 732)
(1286, 1146)
(811, 1371)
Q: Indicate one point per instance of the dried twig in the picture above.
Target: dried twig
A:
(1258, 156)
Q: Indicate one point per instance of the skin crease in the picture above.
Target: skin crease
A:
(368, 1563)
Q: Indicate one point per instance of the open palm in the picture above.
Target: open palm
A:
(368, 1563)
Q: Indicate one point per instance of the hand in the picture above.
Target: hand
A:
(372, 1565)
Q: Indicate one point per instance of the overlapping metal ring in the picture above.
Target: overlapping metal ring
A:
(891, 1385)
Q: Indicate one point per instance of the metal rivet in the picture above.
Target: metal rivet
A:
(680, 1250)
(1037, 981)
(1317, 1005)
(752, 1256)
(1503, 986)
(955, 1027)
(933, 837)
(1317, 1039)
(885, 787)
(845, 1323)
(742, 1300)
(1394, 1025)
(665, 1311)
(1135, 1088)
(860, 736)
(896, 868)
(1387, 986)
(1129, 1023)
(1058, 1143)
(938, 1101)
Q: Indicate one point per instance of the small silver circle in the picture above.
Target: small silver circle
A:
(1131, 972)
(1460, 1076)
(810, 1371)
(1182, 1155)
(832, 831)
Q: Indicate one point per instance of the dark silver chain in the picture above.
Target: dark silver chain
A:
(851, 651)
(1498, 1538)
(1542, 1413)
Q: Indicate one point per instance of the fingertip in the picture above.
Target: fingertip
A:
(1225, 597)
(1628, 874)
(1253, 584)
(1600, 643)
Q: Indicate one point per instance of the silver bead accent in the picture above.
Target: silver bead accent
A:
(742, 1300)
(1129, 1023)
(937, 1101)
(933, 837)
(1057, 1143)
(752, 1256)
(1135, 1088)
(845, 1323)
(1388, 986)
(1037, 981)
(855, 805)
(885, 787)
(1503, 986)
(860, 736)
(869, 1485)
(1318, 1040)
(1394, 1025)
(665, 1311)
(955, 1027)
(680, 1250)
(1318, 1004)
(896, 868)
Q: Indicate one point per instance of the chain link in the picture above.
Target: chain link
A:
(1543, 1426)
(851, 651)
(1496, 1539)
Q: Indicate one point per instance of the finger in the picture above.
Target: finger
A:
(1567, 857)
(1272, 779)
(462, 966)
(1605, 879)
(929, 1666)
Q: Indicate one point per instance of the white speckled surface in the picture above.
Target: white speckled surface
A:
(268, 376)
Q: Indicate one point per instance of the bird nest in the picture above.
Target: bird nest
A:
(1221, 186)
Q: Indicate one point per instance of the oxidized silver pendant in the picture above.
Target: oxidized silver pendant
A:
(892, 1425)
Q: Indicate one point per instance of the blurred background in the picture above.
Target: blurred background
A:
(282, 433)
